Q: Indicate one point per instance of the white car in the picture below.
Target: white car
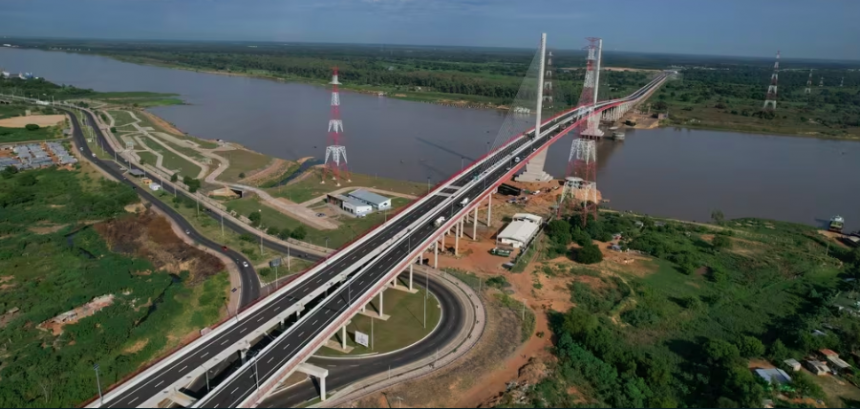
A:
(245, 264)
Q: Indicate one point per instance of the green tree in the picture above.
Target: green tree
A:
(721, 242)
(31, 127)
(805, 386)
(284, 233)
(9, 172)
(750, 347)
(299, 233)
(588, 254)
(193, 184)
(242, 175)
(777, 352)
(113, 129)
(720, 352)
(174, 177)
(717, 216)
(273, 231)
(255, 218)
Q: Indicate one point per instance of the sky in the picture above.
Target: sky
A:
(755, 28)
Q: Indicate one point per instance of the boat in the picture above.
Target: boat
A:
(836, 224)
(618, 135)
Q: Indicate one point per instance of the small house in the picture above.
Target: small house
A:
(827, 353)
(155, 187)
(793, 364)
(816, 367)
(838, 363)
(773, 375)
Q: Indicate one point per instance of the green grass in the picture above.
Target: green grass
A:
(122, 118)
(242, 161)
(141, 99)
(173, 161)
(148, 157)
(22, 134)
(350, 227)
(404, 328)
(310, 187)
(9, 111)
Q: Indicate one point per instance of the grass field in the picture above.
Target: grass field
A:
(350, 227)
(404, 328)
(22, 134)
(122, 118)
(147, 157)
(141, 99)
(8, 111)
(310, 187)
(173, 161)
(242, 161)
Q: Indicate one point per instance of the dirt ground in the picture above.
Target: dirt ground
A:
(158, 121)
(275, 169)
(22, 121)
(150, 236)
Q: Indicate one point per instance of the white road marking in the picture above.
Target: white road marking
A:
(183, 368)
(270, 359)
(156, 385)
(260, 319)
(132, 401)
(277, 308)
(234, 390)
(313, 323)
(204, 355)
(243, 330)
(285, 346)
(225, 341)
(300, 335)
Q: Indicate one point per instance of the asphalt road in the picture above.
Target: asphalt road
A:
(342, 372)
(243, 384)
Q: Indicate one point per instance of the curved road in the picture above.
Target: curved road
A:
(250, 281)
(343, 372)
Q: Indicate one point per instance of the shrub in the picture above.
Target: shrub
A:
(247, 237)
(497, 282)
(299, 233)
(589, 254)
(284, 234)
(273, 231)
(31, 127)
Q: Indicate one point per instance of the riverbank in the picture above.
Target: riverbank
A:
(444, 99)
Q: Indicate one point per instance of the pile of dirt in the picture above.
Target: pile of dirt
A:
(150, 236)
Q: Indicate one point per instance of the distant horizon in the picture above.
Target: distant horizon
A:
(405, 45)
(736, 28)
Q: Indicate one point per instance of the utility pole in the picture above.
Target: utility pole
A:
(99, 384)
(371, 332)
(222, 218)
(261, 231)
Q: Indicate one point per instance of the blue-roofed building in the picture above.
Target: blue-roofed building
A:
(378, 202)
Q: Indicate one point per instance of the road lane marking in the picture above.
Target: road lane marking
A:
(243, 330)
(159, 383)
(132, 401)
(204, 355)
(277, 308)
(285, 346)
(260, 319)
(234, 390)
(183, 368)
(270, 359)
(225, 341)
(300, 335)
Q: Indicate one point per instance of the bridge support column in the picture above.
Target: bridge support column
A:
(436, 255)
(380, 301)
(315, 371)
(475, 225)
(489, 207)
(442, 240)
(343, 337)
(410, 276)
(457, 238)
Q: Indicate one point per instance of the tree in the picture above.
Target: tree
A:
(720, 352)
(777, 351)
(255, 218)
(142, 161)
(193, 184)
(272, 231)
(113, 129)
(299, 233)
(805, 386)
(242, 175)
(174, 177)
(589, 254)
(717, 216)
(559, 232)
(9, 172)
(721, 242)
(750, 347)
(284, 233)
(31, 127)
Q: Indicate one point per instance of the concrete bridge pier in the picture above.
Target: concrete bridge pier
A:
(489, 208)
(436, 254)
(475, 225)
(317, 372)
(457, 232)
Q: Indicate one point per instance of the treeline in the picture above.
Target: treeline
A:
(42, 89)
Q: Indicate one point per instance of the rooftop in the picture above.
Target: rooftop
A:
(773, 375)
(520, 231)
(369, 197)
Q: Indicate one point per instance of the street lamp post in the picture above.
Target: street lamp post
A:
(261, 231)
(326, 242)
(99, 384)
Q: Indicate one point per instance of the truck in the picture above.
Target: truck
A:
(439, 221)
(500, 252)
(464, 202)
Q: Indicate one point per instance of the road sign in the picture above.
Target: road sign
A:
(275, 262)
(362, 339)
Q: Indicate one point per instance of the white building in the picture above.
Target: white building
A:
(355, 206)
(378, 202)
(154, 186)
(520, 231)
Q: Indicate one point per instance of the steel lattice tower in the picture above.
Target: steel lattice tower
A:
(770, 101)
(590, 87)
(580, 187)
(335, 153)
(821, 82)
(809, 83)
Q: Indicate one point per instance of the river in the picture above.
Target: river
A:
(664, 172)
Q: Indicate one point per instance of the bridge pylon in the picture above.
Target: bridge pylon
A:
(535, 168)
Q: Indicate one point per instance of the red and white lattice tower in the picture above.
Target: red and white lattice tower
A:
(590, 87)
(580, 186)
(335, 152)
(770, 101)
(808, 83)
